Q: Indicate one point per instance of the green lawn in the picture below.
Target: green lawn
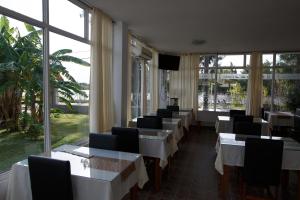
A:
(67, 128)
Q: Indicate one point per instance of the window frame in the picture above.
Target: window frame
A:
(216, 68)
(47, 28)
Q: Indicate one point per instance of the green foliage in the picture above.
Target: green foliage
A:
(237, 94)
(21, 77)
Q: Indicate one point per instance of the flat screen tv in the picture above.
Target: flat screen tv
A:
(168, 62)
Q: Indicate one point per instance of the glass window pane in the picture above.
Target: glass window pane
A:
(69, 91)
(136, 97)
(288, 59)
(232, 88)
(21, 94)
(206, 89)
(33, 11)
(148, 84)
(231, 61)
(267, 87)
(287, 88)
(67, 16)
(209, 60)
(267, 60)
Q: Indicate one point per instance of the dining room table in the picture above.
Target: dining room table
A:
(280, 119)
(159, 146)
(174, 124)
(230, 149)
(224, 124)
(96, 174)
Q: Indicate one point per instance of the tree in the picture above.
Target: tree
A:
(21, 77)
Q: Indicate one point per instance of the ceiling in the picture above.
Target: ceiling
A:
(227, 26)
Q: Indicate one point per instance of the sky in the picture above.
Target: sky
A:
(64, 15)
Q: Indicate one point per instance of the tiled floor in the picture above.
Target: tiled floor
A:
(193, 175)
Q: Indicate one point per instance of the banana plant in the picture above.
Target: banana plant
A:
(21, 75)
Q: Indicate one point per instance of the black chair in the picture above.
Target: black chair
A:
(262, 113)
(153, 122)
(247, 128)
(128, 139)
(297, 111)
(50, 179)
(164, 113)
(262, 164)
(233, 113)
(103, 141)
(240, 118)
(173, 108)
(295, 131)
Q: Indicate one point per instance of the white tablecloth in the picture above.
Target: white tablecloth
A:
(87, 183)
(224, 124)
(231, 152)
(280, 118)
(162, 146)
(174, 124)
(156, 143)
(187, 118)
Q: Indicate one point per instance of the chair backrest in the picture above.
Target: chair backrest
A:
(297, 111)
(262, 112)
(297, 123)
(50, 179)
(164, 113)
(240, 118)
(262, 162)
(233, 113)
(128, 139)
(103, 141)
(173, 108)
(153, 122)
(248, 128)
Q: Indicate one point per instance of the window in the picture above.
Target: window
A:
(140, 80)
(136, 88)
(267, 60)
(22, 86)
(33, 11)
(223, 82)
(69, 83)
(21, 100)
(287, 82)
(71, 21)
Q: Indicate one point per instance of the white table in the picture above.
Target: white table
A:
(158, 145)
(224, 124)
(187, 118)
(280, 118)
(230, 153)
(174, 124)
(88, 183)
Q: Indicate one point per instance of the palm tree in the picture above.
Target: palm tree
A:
(21, 76)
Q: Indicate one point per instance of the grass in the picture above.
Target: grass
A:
(66, 128)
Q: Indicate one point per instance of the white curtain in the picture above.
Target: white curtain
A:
(129, 83)
(254, 89)
(183, 83)
(101, 85)
(154, 81)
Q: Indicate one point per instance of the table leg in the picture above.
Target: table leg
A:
(285, 179)
(224, 182)
(134, 192)
(157, 175)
